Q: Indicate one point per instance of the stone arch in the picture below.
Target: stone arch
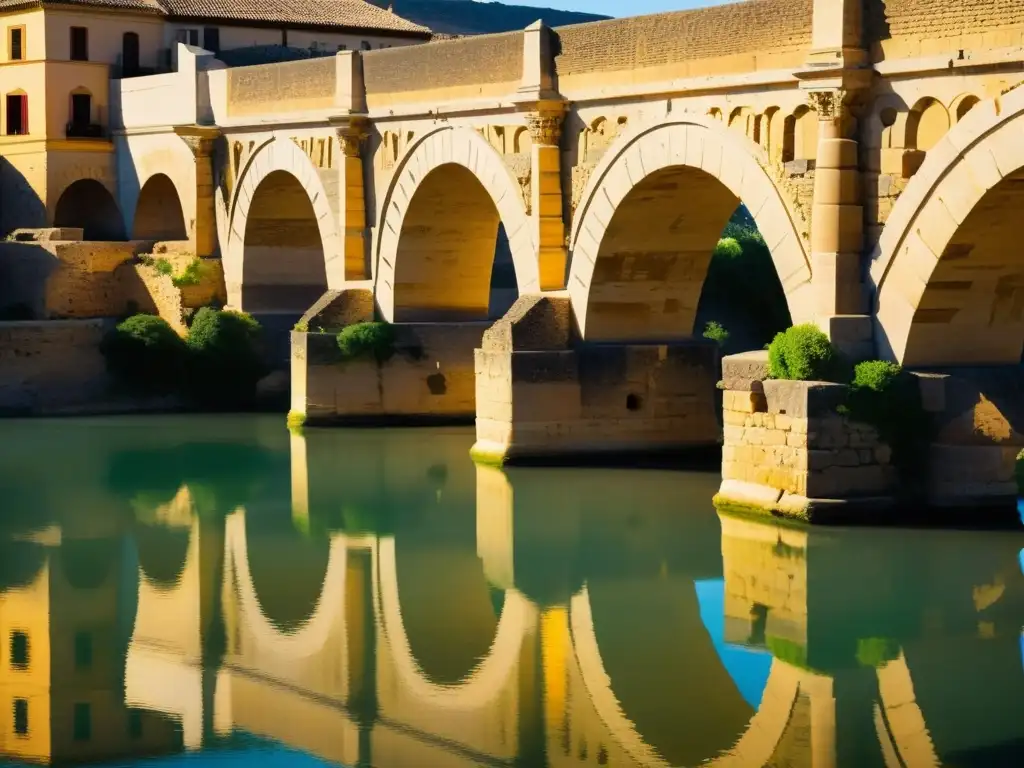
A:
(163, 553)
(637, 194)
(948, 290)
(427, 265)
(755, 745)
(88, 204)
(927, 123)
(282, 246)
(158, 212)
(961, 105)
(800, 135)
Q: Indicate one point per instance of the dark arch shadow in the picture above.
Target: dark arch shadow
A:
(86, 203)
(158, 213)
(20, 563)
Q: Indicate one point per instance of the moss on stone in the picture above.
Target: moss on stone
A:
(488, 457)
(296, 420)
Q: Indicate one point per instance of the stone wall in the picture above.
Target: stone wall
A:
(430, 376)
(902, 28)
(50, 280)
(288, 86)
(463, 68)
(788, 451)
(51, 366)
(539, 395)
(738, 37)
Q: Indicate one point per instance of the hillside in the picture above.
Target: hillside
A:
(462, 17)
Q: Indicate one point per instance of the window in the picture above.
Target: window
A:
(366, 45)
(129, 54)
(83, 722)
(187, 36)
(16, 43)
(342, 47)
(21, 717)
(79, 44)
(81, 115)
(17, 114)
(19, 640)
(211, 39)
(83, 640)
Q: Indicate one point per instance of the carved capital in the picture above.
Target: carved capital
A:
(199, 139)
(545, 128)
(351, 135)
(832, 104)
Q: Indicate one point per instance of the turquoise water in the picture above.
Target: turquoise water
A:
(213, 590)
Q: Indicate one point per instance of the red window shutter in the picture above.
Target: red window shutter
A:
(24, 114)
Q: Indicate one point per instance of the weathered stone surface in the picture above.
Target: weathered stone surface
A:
(534, 323)
(803, 399)
(336, 309)
(745, 372)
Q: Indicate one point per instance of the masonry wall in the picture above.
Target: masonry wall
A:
(430, 376)
(906, 28)
(51, 367)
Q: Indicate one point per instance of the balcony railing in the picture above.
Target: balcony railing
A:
(85, 131)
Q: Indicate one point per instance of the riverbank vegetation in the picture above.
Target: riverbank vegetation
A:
(216, 365)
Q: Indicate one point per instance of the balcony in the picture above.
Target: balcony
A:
(85, 131)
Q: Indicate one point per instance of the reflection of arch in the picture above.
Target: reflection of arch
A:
(488, 678)
(315, 632)
(754, 747)
(88, 204)
(163, 552)
(439, 227)
(902, 728)
(20, 563)
(946, 285)
(282, 243)
(158, 213)
(288, 595)
(86, 563)
(628, 278)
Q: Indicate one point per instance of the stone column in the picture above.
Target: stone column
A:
(545, 125)
(203, 233)
(837, 225)
(352, 136)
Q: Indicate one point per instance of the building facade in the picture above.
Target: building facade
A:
(58, 59)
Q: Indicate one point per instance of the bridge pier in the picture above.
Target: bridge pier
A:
(791, 449)
(540, 394)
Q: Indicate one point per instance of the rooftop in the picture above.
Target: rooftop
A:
(354, 14)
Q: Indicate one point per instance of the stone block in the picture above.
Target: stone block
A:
(534, 322)
(745, 372)
(803, 399)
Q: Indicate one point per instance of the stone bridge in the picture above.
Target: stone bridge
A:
(879, 147)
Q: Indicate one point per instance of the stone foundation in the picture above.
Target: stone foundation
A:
(789, 451)
(429, 378)
(539, 395)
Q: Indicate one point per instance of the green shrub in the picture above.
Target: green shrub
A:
(163, 266)
(728, 248)
(876, 652)
(802, 353)
(889, 399)
(192, 275)
(367, 341)
(225, 357)
(715, 332)
(145, 354)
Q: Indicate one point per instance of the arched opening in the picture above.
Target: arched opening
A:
(158, 213)
(88, 205)
(972, 308)
(649, 276)
(965, 105)
(87, 563)
(283, 269)
(21, 562)
(446, 249)
(800, 136)
(927, 123)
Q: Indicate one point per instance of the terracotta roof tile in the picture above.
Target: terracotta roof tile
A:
(322, 13)
(334, 13)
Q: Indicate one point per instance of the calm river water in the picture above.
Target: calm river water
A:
(215, 590)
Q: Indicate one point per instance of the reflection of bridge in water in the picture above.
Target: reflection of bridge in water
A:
(414, 610)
